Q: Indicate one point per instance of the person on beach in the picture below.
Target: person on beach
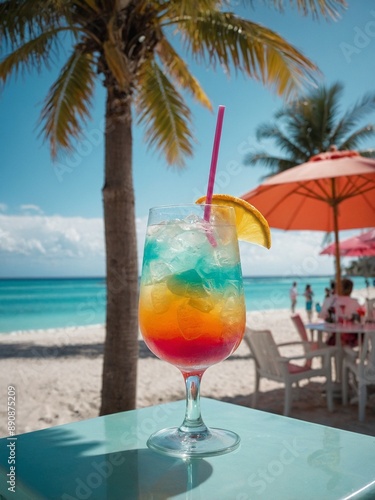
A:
(336, 307)
(293, 297)
(308, 294)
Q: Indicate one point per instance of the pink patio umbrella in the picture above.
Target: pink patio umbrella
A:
(330, 192)
(368, 236)
(362, 245)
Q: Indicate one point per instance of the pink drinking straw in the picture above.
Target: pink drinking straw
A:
(215, 154)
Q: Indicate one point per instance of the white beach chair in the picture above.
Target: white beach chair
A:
(361, 368)
(271, 365)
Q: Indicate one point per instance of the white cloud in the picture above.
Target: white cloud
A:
(31, 209)
(292, 253)
(50, 245)
(52, 236)
(3, 207)
(40, 245)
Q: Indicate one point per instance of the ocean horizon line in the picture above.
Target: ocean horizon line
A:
(31, 303)
(271, 276)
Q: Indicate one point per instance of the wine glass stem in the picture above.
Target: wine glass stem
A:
(193, 422)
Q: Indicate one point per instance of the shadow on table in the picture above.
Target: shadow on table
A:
(56, 463)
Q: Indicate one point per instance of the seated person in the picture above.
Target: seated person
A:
(341, 306)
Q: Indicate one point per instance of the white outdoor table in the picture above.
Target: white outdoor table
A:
(339, 329)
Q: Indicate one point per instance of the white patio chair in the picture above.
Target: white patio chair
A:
(361, 367)
(271, 365)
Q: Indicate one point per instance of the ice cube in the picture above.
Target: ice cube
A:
(162, 234)
(160, 298)
(187, 284)
(159, 270)
(190, 241)
(158, 242)
(225, 234)
(233, 309)
(193, 219)
(178, 264)
(191, 327)
(205, 266)
(204, 304)
(208, 268)
(226, 255)
(150, 251)
(215, 277)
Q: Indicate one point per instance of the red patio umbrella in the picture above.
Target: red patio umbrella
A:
(330, 192)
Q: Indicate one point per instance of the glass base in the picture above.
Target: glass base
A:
(176, 443)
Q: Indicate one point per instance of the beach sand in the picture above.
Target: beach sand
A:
(57, 375)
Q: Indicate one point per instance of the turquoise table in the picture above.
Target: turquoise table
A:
(106, 458)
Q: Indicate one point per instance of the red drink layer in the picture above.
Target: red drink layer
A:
(194, 355)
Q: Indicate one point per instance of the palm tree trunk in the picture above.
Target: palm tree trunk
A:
(121, 344)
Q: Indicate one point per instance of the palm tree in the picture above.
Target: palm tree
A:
(363, 266)
(127, 44)
(311, 125)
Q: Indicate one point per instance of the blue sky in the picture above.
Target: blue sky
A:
(51, 219)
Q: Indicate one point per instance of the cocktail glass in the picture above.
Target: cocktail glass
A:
(192, 311)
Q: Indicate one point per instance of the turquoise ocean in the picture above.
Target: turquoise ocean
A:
(33, 304)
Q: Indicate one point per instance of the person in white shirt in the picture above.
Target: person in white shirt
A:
(338, 307)
(343, 305)
(293, 297)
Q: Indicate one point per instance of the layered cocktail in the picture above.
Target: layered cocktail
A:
(192, 309)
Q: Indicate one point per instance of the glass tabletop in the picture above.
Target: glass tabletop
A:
(107, 458)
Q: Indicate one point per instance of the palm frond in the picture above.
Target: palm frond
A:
(21, 21)
(273, 163)
(325, 8)
(178, 70)
(88, 5)
(311, 119)
(286, 144)
(174, 9)
(238, 44)
(308, 126)
(68, 101)
(353, 116)
(31, 55)
(367, 153)
(359, 135)
(323, 111)
(164, 114)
